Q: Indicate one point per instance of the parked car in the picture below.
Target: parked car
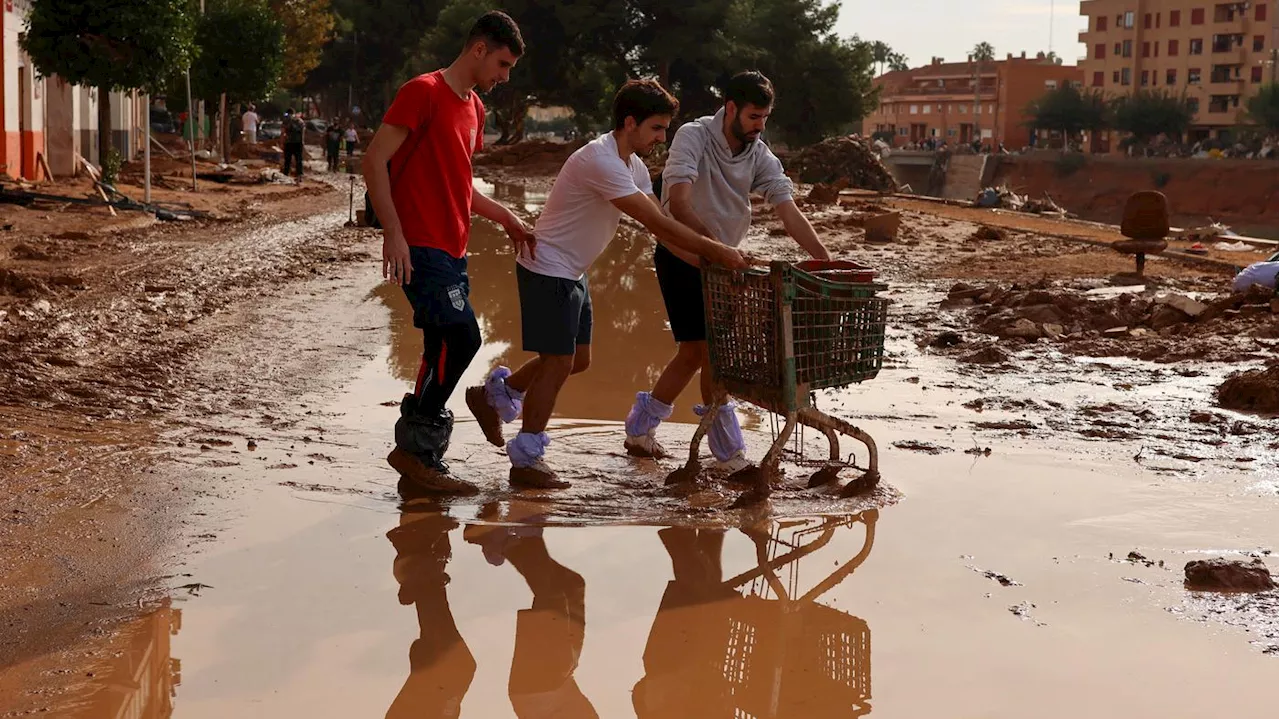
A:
(162, 121)
(270, 130)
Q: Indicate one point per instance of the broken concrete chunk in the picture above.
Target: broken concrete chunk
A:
(1189, 307)
(1024, 328)
(1052, 331)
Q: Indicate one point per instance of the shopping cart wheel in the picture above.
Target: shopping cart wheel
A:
(865, 483)
(752, 497)
(826, 475)
(685, 474)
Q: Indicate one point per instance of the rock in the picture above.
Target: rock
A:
(987, 355)
(1165, 316)
(1139, 332)
(946, 339)
(1115, 332)
(1052, 331)
(1275, 306)
(1190, 307)
(1023, 328)
(823, 194)
(987, 232)
(1252, 391)
(1200, 417)
(1040, 314)
(1228, 575)
(882, 228)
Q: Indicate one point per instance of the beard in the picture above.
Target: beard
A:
(741, 133)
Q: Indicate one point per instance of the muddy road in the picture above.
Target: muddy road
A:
(202, 523)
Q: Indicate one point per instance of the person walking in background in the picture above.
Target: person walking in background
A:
(333, 144)
(418, 172)
(249, 125)
(351, 137)
(295, 133)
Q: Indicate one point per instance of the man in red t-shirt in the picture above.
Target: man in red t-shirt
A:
(418, 172)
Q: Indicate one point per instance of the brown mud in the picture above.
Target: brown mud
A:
(225, 439)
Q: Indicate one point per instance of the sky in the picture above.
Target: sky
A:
(921, 29)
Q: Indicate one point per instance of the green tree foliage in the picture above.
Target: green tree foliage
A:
(1144, 114)
(1262, 107)
(116, 45)
(1069, 110)
(308, 26)
(241, 51)
(983, 52)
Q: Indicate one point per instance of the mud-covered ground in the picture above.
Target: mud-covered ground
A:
(155, 378)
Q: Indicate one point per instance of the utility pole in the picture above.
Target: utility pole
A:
(146, 151)
(977, 99)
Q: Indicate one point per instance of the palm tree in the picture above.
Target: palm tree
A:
(880, 54)
(898, 61)
(982, 52)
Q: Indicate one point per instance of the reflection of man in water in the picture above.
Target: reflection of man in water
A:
(684, 657)
(549, 634)
(440, 665)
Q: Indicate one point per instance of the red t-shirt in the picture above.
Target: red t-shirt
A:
(431, 172)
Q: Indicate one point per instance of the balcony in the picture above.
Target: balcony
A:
(940, 93)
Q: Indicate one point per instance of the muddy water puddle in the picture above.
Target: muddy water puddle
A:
(319, 590)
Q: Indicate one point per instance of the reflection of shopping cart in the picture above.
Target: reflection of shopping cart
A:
(788, 655)
(774, 337)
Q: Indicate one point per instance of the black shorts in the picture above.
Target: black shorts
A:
(555, 313)
(681, 285)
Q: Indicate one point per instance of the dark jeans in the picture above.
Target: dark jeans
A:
(332, 152)
(440, 294)
(292, 152)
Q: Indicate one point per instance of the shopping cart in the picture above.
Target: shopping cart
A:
(775, 337)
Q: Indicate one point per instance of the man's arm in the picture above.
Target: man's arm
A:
(395, 250)
(680, 202)
(521, 236)
(797, 225)
(675, 234)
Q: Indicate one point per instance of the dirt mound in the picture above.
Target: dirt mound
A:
(850, 159)
(1228, 575)
(529, 152)
(1252, 391)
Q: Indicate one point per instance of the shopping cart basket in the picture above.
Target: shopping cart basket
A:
(776, 336)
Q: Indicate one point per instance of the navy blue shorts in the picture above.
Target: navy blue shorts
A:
(681, 286)
(555, 313)
(439, 290)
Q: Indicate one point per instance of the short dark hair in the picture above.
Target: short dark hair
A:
(642, 99)
(497, 30)
(749, 88)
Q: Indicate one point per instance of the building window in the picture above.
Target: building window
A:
(1101, 24)
(1117, 48)
(951, 132)
(1115, 76)
(1260, 12)
(1127, 50)
(1259, 42)
(1144, 80)
(1193, 104)
(902, 131)
(1126, 76)
(991, 109)
(1098, 78)
(1227, 43)
(927, 108)
(1224, 13)
(1157, 19)
(1197, 16)
(1099, 51)
(1128, 19)
(1146, 49)
(1173, 48)
(1195, 47)
(1255, 75)
(1146, 21)
(964, 109)
(1171, 77)
(1051, 84)
(915, 109)
(1155, 48)
(1193, 76)
(1175, 18)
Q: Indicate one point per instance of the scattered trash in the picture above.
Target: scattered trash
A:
(918, 446)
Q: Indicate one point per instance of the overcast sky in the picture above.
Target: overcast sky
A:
(921, 29)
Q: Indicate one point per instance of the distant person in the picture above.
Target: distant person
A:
(418, 172)
(713, 166)
(249, 124)
(333, 144)
(295, 133)
(598, 183)
(352, 138)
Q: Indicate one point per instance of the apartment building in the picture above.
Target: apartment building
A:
(1218, 53)
(938, 102)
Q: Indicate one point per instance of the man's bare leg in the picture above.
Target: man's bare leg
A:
(526, 450)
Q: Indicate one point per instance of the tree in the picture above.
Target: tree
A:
(898, 62)
(241, 51)
(133, 44)
(1070, 110)
(1262, 107)
(982, 52)
(1144, 114)
(308, 26)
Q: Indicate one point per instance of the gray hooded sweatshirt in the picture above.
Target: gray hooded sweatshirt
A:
(722, 181)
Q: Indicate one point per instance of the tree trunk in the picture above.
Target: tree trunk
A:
(104, 124)
(517, 128)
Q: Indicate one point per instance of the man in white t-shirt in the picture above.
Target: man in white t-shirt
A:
(597, 184)
(249, 124)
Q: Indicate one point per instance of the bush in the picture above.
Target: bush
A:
(111, 165)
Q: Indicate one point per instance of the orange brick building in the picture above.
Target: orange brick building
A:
(1218, 53)
(937, 101)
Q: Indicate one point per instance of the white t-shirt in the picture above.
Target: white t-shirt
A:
(250, 121)
(579, 219)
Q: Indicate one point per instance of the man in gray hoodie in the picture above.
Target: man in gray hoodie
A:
(714, 165)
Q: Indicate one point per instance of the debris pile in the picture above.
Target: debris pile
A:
(1255, 390)
(528, 152)
(851, 159)
(1004, 198)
